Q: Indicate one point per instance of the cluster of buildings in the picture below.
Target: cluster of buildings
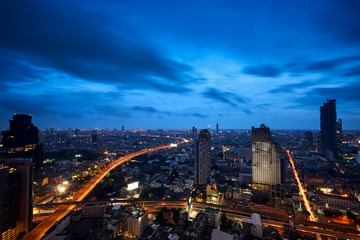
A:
(101, 221)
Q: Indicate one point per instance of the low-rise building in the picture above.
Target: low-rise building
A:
(253, 226)
(137, 222)
(94, 209)
(213, 217)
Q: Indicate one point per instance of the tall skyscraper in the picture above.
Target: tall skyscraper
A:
(217, 128)
(309, 140)
(202, 157)
(267, 163)
(328, 138)
(22, 141)
(17, 178)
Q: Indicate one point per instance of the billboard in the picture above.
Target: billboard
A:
(132, 186)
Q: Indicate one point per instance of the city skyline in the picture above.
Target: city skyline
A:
(178, 65)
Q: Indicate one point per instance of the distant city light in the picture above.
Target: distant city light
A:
(133, 186)
(173, 145)
(65, 182)
(61, 189)
(78, 155)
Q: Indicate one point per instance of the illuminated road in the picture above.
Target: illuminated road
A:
(302, 190)
(38, 232)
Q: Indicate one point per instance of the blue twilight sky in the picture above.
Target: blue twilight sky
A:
(178, 64)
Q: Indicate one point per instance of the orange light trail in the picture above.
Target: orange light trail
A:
(38, 232)
(302, 189)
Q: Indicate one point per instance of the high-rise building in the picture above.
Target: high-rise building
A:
(18, 179)
(267, 163)
(328, 138)
(9, 191)
(122, 128)
(22, 141)
(309, 140)
(339, 134)
(217, 128)
(202, 157)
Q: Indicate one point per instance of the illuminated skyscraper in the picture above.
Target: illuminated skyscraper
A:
(22, 141)
(267, 163)
(328, 138)
(202, 157)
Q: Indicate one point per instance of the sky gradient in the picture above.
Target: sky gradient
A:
(178, 64)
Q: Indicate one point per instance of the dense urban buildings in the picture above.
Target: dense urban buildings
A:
(267, 163)
(202, 157)
(233, 174)
(328, 126)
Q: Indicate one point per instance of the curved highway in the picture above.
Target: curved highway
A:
(38, 232)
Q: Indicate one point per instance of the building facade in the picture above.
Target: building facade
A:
(20, 196)
(202, 157)
(9, 196)
(328, 124)
(267, 163)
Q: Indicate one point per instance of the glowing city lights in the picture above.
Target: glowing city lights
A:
(302, 190)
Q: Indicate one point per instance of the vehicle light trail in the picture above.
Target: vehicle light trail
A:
(302, 189)
(38, 232)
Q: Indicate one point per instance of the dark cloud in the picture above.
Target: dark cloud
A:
(313, 98)
(87, 47)
(263, 71)
(229, 98)
(324, 66)
(287, 88)
(334, 66)
(199, 115)
(148, 110)
(340, 20)
(13, 70)
(348, 93)
(351, 72)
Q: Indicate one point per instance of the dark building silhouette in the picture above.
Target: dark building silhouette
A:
(217, 128)
(94, 137)
(339, 134)
(77, 132)
(267, 163)
(328, 137)
(22, 141)
(202, 157)
(122, 128)
(309, 140)
(16, 196)
(194, 130)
